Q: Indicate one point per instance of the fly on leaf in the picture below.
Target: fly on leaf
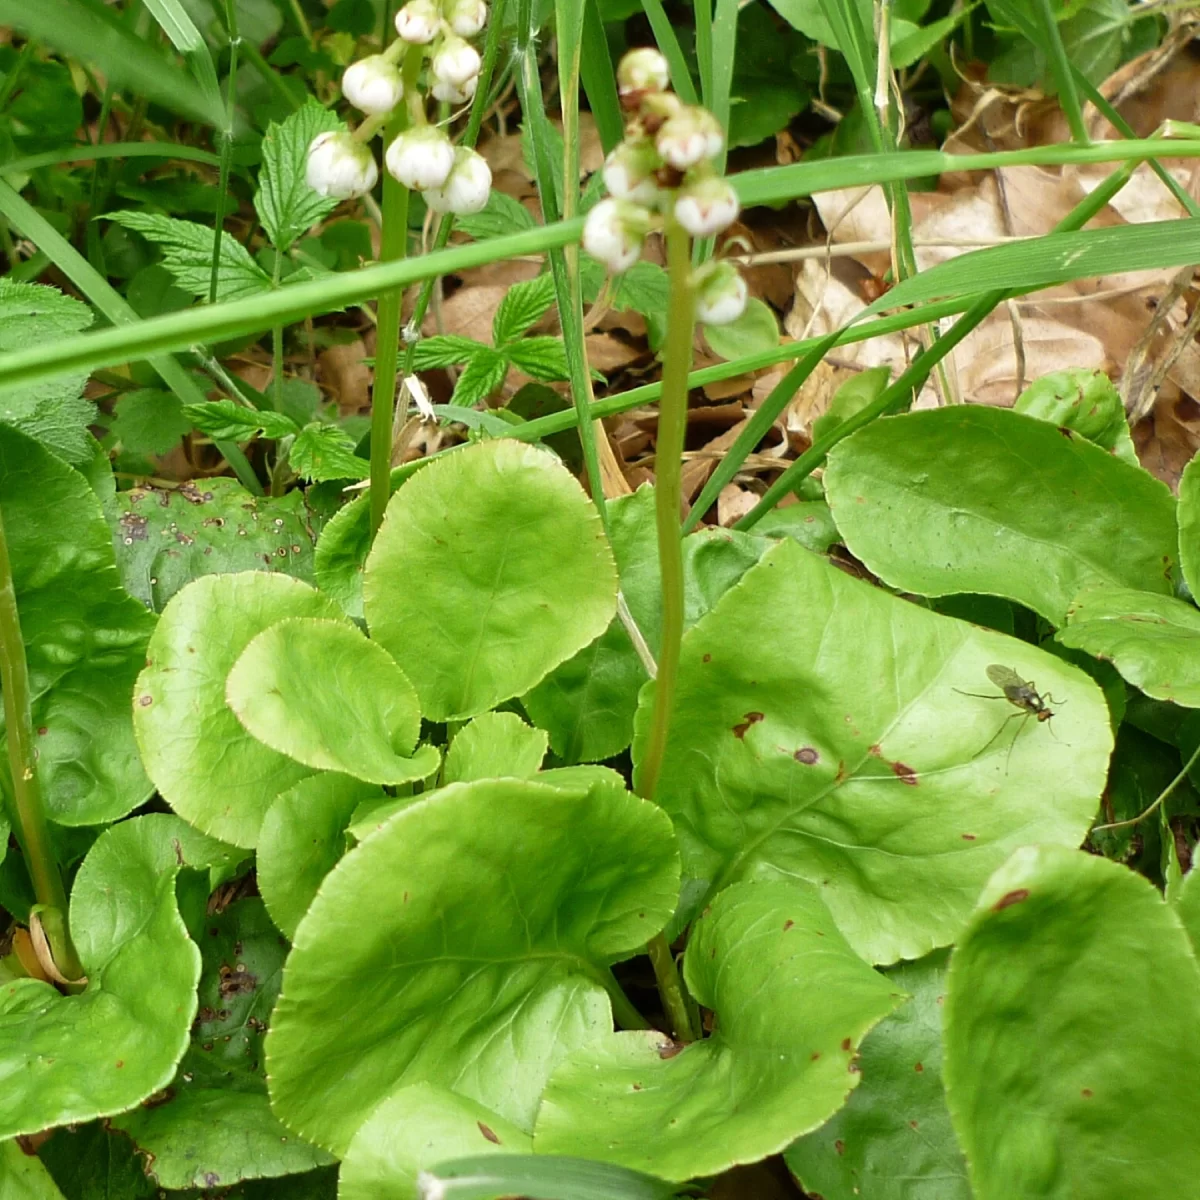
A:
(1020, 693)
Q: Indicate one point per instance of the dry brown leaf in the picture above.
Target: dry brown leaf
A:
(345, 376)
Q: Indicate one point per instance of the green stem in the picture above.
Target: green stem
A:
(393, 247)
(1163, 795)
(277, 344)
(1060, 65)
(668, 458)
(29, 814)
(627, 1016)
(226, 147)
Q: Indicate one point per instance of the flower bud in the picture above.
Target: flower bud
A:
(467, 17)
(420, 158)
(418, 22)
(373, 85)
(613, 233)
(706, 206)
(467, 187)
(721, 293)
(629, 172)
(339, 166)
(642, 70)
(689, 137)
(455, 61)
(454, 95)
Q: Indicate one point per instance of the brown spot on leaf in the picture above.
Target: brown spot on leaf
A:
(806, 755)
(707, 658)
(913, 1124)
(788, 924)
(120, 1063)
(846, 1043)
(669, 1048)
(1011, 898)
(874, 751)
(840, 1146)
(814, 1056)
(968, 837)
(751, 718)
(919, 1068)
(146, 700)
(488, 1133)
(905, 773)
(637, 1087)
(1086, 1093)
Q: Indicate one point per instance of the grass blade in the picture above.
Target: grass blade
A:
(88, 153)
(599, 81)
(668, 44)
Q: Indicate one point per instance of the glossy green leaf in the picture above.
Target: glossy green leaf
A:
(321, 693)
(893, 1140)
(1085, 401)
(214, 1125)
(414, 1129)
(89, 1163)
(85, 638)
(494, 745)
(821, 733)
(323, 452)
(475, 617)
(207, 767)
(587, 703)
(166, 537)
(808, 522)
(791, 1000)
(1189, 525)
(1071, 1058)
(1187, 907)
(478, 926)
(72, 1058)
(287, 207)
(187, 254)
(301, 840)
(22, 1177)
(539, 1177)
(755, 331)
(1154, 641)
(978, 499)
(52, 412)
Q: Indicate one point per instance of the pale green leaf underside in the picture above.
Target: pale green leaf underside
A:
(1071, 1057)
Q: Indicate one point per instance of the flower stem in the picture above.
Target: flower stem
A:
(668, 456)
(235, 42)
(29, 814)
(393, 246)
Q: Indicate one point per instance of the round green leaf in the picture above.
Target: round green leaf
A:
(820, 732)
(1189, 524)
(490, 569)
(1154, 641)
(756, 331)
(341, 552)
(1187, 907)
(893, 1140)
(72, 1058)
(22, 1177)
(476, 927)
(493, 745)
(205, 764)
(214, 1127)
(791, 1001)
(301, 840)
(1086, 401)
(417, 1128)
(85, 638)
(321, 693)
(166, 537)
(1071, 1051)
(978, 499)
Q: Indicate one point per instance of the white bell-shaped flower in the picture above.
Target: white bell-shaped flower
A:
(721, 293)
(418, 22)
(613, 233)
(706, 206)
(467, 187)
(454, 95)
(420, 158)
(642, 70)
(373, 85)
(340, 167)
(629, 172)
(467, 17)
(455, 61)
(690, 137)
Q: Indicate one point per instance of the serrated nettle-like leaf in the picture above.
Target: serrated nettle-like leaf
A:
(324, 452)
(484, 374)
(205, 765)
(302, 838)
(893, 1140)
(791, 1001)
(321, 693)
(495, 744)
(821, 733)
(472, 618)
(1189, 525)
(1085, 401)
(587, 704)
(1071, 1057)
(1154, 641)
(73, 1058)
(286, 205)
(149, 421)
(479, 926)
(213, 1125)
(53, 412)
(414, 1129)
(187, 254)
(502, 214)
(978, 499)
(524, 304)
(542, 358)
(85, 637)
(229, 421)
(166, 537)
(444, 350)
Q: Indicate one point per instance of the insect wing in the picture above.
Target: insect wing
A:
(1005, 677)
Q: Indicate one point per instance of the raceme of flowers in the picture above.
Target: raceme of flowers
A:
(453, 180)
(665, 167)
